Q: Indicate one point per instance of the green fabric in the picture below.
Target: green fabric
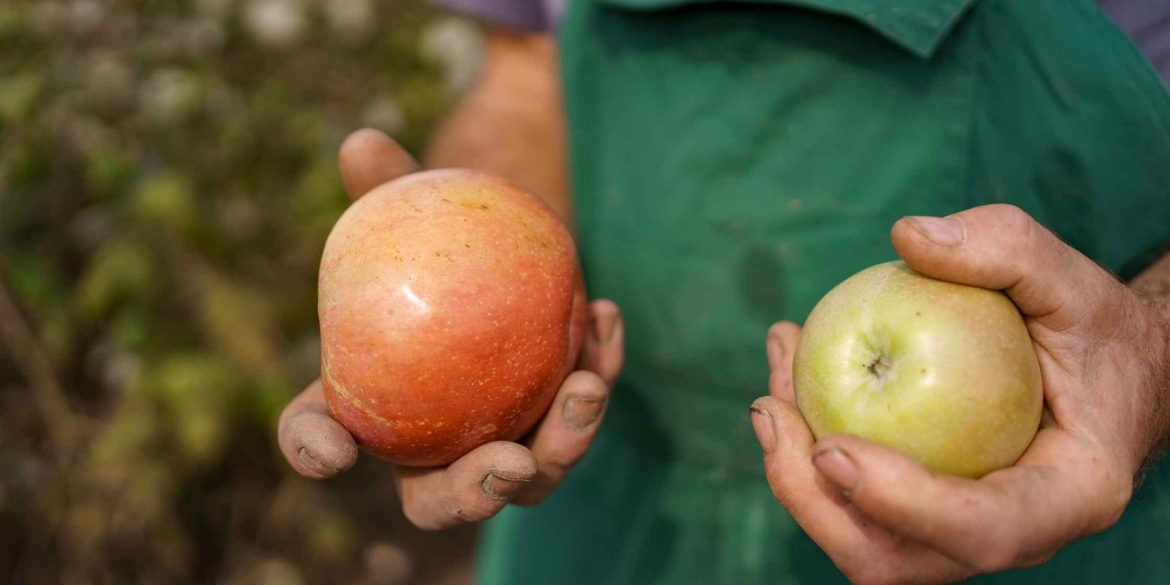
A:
(732, 161)
(917, 25)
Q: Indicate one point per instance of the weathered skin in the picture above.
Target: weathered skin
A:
(452, 308)
(945, 373)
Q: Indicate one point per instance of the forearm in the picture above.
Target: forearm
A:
(512, 123)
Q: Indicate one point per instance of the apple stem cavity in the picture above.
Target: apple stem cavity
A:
(878, 368)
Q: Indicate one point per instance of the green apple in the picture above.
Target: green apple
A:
(942, 372)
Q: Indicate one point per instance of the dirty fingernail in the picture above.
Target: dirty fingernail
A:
(944, 231)
(579, 413)
(501, 488)
(313, 464)
(765, 430)
(839, 468)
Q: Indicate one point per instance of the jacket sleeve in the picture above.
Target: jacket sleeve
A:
(529, 15)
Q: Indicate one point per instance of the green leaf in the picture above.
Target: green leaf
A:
(167, 198)
(332, 537)
(119, 269)
(18, 95)
(109, 171)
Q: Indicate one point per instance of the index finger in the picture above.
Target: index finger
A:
(863, 550)
(1059, 491)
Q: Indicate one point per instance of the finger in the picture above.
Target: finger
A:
(314, 444)
(1001, 247)
(472, 489)
(1014, 517)
(604, 349)
(864, 551)
(781, 344)
(564, 436)
(815, 505)
(369, 158)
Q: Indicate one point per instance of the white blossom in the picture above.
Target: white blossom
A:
(109, 82)
(86, 16)
(276, 24)
(351, 21)
(384, 114)
(457, 46)
(171, 95)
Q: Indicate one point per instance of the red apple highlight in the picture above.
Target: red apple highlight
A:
(452, 308)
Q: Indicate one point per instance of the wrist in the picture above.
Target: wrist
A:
(1156, 351)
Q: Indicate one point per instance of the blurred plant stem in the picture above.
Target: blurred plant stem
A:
(60, 423)
(168, 178)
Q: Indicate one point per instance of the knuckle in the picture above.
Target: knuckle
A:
(1118, 492)
(779, 380)
(1021, 229)
(870, 575)
(419, 518)
(781, 491)
(413, 510)
(471, 507)
(995, 556)
(776, 330)
(557, 464)
(1012, 215)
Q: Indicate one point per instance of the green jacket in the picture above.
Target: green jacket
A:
(732, 161)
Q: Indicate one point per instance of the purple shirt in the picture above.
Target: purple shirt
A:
(536, 15)
(1147, 22)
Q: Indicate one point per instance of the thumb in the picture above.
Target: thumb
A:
(369, 158)
(1001, 247)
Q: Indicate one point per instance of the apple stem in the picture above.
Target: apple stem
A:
(877, 367)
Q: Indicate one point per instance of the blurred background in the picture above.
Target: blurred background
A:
(167, 181)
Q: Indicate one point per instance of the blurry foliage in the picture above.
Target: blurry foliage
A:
(167, 181)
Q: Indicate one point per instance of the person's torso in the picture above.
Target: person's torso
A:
(732, 161)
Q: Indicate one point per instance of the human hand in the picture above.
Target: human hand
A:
(883, 518)
(481, 483)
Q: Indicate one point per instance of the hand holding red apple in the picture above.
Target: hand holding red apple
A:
(481, 482)
(883, 518)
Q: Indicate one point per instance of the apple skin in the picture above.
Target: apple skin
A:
(942, 372)
(452, 308)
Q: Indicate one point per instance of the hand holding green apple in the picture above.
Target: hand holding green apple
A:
(872, 505)
(943, 372)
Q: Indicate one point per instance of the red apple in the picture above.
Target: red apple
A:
(452, 308)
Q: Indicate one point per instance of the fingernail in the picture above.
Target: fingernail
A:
(944, 231)
(839, 468)
(765, 430)
(604, 327)
(579, 413)
(312, 463)
(500, 488)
